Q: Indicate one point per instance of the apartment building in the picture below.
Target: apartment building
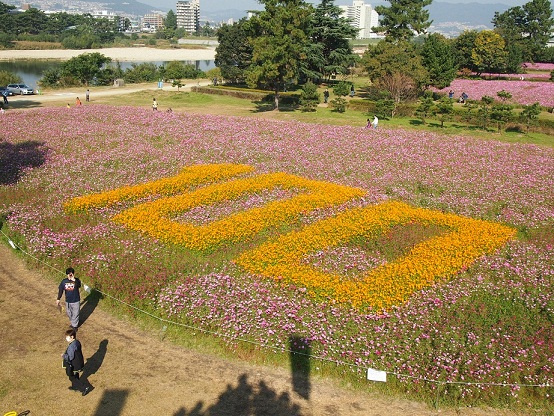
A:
(152, 22)
(188, 15)
(363, 17)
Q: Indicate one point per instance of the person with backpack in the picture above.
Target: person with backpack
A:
(73, 362)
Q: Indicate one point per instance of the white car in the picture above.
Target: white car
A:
(22, 89)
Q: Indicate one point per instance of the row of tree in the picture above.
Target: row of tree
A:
(486, 111)
(287, 42)
(77, 31)
(290, 41)
(98, 69)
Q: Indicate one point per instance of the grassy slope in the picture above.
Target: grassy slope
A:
(205, 103)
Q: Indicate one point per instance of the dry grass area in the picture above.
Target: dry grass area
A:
(34, 45)
(137, 373)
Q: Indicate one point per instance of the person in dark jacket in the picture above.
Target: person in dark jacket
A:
(70, 286)
(73, 362)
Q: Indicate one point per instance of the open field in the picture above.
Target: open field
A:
(85, 190)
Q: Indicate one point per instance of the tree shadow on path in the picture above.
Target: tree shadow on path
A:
(246, 400)
(112, 403)
(15, 158)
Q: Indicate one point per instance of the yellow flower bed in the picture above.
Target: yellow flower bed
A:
(154, 218)
(283, 258)
(391, 284)
(189, 177)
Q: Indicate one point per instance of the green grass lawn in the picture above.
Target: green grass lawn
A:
(228, 105)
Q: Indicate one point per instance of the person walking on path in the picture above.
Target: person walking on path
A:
(5, 97)
(73, 362)
(87, 96)
(326, 96)
(70, 286)
(375, 122)
(154, 104)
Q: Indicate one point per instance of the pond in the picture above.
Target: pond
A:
(31, 71)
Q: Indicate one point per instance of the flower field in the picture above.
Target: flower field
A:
(429, 257)
(523, 92)
(538, 66)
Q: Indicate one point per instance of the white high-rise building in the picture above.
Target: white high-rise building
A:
(188, 15)
(362, 17)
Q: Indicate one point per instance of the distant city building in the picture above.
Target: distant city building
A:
(362, 17)
(103, 14)
(188, 15)
(152, 22)
(111, 16)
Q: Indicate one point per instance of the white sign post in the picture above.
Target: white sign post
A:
(376, 375)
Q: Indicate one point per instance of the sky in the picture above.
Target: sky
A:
(216, 5)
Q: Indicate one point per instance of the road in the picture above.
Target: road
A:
(70, 94)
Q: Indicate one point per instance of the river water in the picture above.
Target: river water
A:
(31, 71)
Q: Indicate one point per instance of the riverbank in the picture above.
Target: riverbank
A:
(138, 54)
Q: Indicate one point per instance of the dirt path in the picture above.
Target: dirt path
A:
(68, 95)
(135, 373)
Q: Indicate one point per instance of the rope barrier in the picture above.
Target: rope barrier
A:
(276, 349)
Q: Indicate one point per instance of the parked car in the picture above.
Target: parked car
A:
(22, 89)
(5, 91)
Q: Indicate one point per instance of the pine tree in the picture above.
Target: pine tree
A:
(403, 19)
(330, 35)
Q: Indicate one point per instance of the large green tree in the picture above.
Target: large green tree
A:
(85, 67)
(233, 54)
(31, 21)
(6, 18)
(387, 59)
(396, 72)
(463, 45)
(60, 22)
(329, 51)
(403, 19)
(440, 60)
(170, 21)
(528, 26)
(279, 46)
(489, 52)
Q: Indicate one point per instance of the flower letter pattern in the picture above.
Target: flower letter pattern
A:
(284, 258)
(390, 284)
